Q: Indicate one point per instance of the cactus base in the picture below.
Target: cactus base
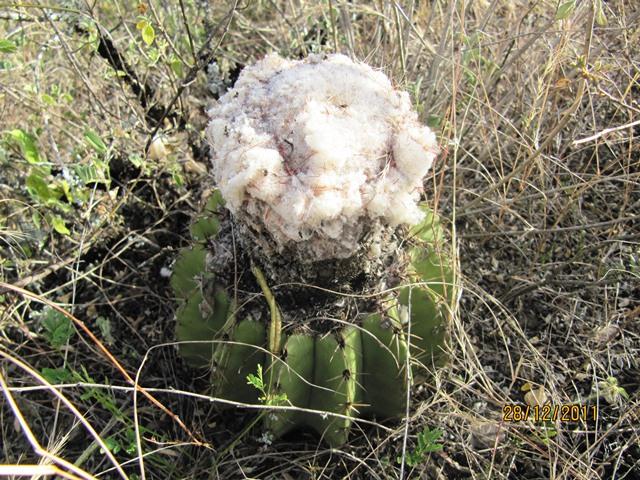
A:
(346, 355)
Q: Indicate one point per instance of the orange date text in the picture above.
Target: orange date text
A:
(549, 413)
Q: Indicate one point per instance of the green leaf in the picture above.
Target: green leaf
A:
(623, 392)
(59, 225)
(56, 375)
(105, 329)
(61, 189)
(58, 329)
(38, 188)
(611, 391)
(601, 18)
(36, 218)
(427, 443)
(96, 172)
(176, 67)
(7, 46)
(131, 446)
(136, 160)
(565, 9)
(434, 121)
(148, 34)
(112, 444)
(204, 228)
(28, 145)
(428, 440)
(277, 399)
(176, 177)
(95, 141)
(256, 380)
(154, 55)
(214, 202)
(48, 99)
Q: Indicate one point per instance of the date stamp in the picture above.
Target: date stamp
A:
(573, 413)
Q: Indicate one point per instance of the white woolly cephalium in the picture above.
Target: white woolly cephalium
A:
(317, 151)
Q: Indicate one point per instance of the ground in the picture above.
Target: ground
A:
(103, 164)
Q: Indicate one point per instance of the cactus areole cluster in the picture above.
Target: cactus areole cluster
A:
(319, 166)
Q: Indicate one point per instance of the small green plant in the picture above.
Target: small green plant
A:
(58, 329)
(125, 440)
(7, 46)
(147, 31)
(474, 59)
(428, 442)
(565, 9)
(56, 375)
(104, 397)
(267, 398)
(611, 391)
(54, 195)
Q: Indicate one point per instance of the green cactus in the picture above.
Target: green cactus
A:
(359, 369)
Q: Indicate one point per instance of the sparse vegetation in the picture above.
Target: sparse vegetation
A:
(103, 167)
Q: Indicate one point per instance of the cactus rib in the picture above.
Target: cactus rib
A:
(338, 361)
(384, 353)
(292, 379)
(240, 358)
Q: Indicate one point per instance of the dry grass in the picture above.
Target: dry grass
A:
(538, 118)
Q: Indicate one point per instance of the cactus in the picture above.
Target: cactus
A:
(357, 369)
(319, 164)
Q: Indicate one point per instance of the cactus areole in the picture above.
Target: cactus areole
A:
(313, 258)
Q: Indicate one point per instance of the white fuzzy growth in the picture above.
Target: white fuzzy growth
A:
(318, 149)
(414, 150)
